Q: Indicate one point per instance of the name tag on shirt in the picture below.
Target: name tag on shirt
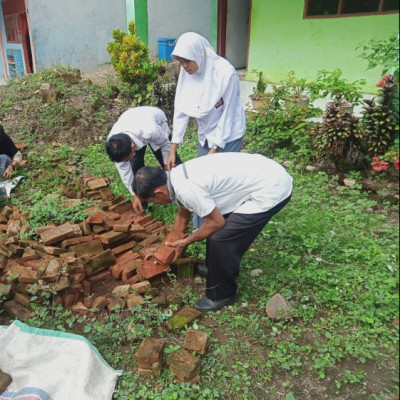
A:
(220, 103)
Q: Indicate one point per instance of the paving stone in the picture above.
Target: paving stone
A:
(100, 261)
(184, 366)
(196, 341)
(184, 316)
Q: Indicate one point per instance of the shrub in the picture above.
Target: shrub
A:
(380, 121)
(130, 58)
(338, 137)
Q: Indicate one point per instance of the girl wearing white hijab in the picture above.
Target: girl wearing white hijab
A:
(208, 90)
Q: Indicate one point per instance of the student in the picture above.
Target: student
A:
(10, 156)
(127, 141)
(236, 194)
(208, 90)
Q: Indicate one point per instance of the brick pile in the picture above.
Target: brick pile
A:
(69, 260)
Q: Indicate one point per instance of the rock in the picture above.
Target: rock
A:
(349, 182)
(184, 366)
(287, 163)
(16, 310)
(196, 341)
(278, 307)
(183, 317)
(255, 273)
(150, 356)
(5, 381)
(310, 168)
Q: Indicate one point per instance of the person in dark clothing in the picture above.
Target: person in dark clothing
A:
(10, 156)
(235, 193)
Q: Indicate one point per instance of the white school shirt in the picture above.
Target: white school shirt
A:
(223, 124)
(233, 182)
(145, 126)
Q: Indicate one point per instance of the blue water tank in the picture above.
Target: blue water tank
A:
(165, 48)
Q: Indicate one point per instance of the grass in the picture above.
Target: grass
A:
(335, 261)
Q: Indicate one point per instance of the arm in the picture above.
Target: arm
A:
(179, 129)
(15, 162)
(212, 223)
(126, 174)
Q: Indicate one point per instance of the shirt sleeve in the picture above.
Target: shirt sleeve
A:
(224, 128)
(126, 174)
(180, 123)
(160, 140)
(17, 157)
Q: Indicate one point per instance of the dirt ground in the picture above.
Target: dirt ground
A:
(99, 75)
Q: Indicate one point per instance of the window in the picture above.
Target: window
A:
(342, 8)
(13, 28)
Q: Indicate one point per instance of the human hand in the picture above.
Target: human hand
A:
(137, 204)
(8, 172)
(171, 161)
(179, 245)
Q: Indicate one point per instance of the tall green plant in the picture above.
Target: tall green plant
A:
(382, 53)
(380, 119)
(131, 60)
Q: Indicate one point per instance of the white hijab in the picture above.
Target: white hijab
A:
(197, 94)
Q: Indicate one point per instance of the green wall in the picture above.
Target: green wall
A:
(141, 20)
(281, 40)
(214, 23)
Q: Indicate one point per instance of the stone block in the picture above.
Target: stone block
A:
(150, 352)
(184, 366)
(91, 248)
(23, 299)
(100, 261)
(121, 226)
(143, 220)
(133, 300)
(96, 184)
(16, 310)
(149, 241)
(196, 341)
(100, 303)
(75, 241)
(97, 217)
(184, 316)
(98, 277)
(121, 291)
(123, 247)
(151, 269)
(112, 237)
(141, 287)
(59, 233)
(136, 228)
(122, 207)
(115, 304)
(106, 194)
(52, 271)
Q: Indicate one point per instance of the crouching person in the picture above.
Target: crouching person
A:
(236, 194)
(10, 156)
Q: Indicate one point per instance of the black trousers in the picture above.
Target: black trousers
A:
(225, 249)
(137, 161)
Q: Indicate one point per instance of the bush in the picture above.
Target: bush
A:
(130, 58)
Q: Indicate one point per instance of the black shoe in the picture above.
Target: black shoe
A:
(202, 269)
(206, 304)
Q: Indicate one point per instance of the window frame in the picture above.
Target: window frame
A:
(340, 15)
(12, 28)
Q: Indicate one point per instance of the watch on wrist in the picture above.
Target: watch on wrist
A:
(215, 147)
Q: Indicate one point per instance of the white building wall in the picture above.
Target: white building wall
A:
(173, 17)
(74, 33)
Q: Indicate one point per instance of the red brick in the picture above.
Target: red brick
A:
(165, 254)
(133, 280)
(122, 207)
(143, 220)
(175, 235)
(122, 226)
(149, 269)
(96, 278)
(75, 241)
(123, 247)
(97, 217)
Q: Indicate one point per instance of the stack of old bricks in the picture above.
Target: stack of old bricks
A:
(70, 259)
(182, 362)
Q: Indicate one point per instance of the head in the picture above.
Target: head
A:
(120, 147)
(191, 51)
(150, 184)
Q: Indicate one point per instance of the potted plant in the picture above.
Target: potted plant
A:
(296, 91)
(341, 91)
(259, 90)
